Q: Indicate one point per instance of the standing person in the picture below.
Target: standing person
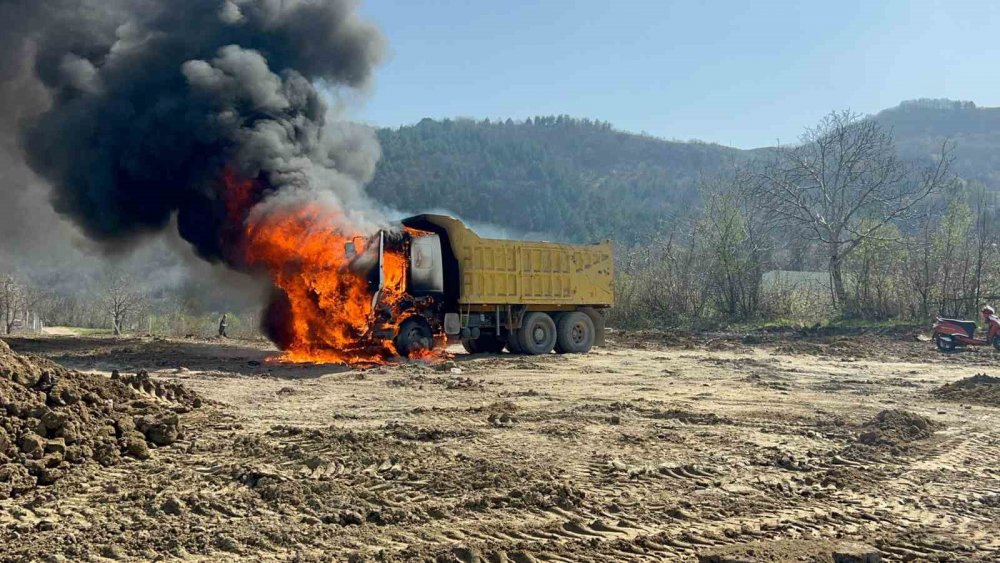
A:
(223, 326)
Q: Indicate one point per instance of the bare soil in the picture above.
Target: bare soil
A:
(658, 447)
(53, 419)
(980, 389)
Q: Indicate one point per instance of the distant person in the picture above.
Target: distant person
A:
(988, 312)
(223, 326)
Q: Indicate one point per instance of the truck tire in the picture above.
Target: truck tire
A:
(413, 335)
(574, 333)
(490, 344)
(513, 346)
(599, 324)
(485, 344)
(537, 335)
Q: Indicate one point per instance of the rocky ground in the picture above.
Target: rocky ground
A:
(659, 447)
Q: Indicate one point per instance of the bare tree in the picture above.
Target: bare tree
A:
(13, 301)
(921, 266)
(844, 183)
(121, 299)
(736, 238)
(984, 238)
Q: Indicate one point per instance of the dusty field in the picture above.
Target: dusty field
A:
(652, 449)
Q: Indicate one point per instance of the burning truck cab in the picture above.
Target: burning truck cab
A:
(405, 278)
(437, 280)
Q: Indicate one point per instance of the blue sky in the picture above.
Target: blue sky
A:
(742, 73)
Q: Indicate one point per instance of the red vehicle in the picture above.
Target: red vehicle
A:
(951, 333)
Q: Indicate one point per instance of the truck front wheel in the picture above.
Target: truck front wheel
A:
(537, 334)
(574, 333)
(414, 335)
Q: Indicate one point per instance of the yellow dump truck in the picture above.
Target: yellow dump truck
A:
(528, 297)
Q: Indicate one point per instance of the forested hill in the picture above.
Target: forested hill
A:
(581, 180)
(920, 126)
(563, 178)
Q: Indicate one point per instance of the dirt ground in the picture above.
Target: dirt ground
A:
(655, 448)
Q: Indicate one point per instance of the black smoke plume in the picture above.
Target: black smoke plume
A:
(151, 103)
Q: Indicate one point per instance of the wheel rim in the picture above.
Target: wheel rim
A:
(414, 337)
(538, 334)
(579, 333)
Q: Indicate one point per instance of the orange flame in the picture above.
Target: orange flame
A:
(330, 307)
(328, 311)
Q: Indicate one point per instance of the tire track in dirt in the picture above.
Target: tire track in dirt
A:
(627, 455)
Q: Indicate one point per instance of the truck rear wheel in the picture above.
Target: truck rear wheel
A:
(485, 344)
(414, 335)
(513, 346)
(537, 334)
(574, 333)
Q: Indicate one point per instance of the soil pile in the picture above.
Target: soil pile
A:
(896, 428)
(180, 398)
(52, 419)
(980, 389)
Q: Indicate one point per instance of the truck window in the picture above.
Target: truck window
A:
(426, 273)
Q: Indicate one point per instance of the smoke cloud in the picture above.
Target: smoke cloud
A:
(134, 111)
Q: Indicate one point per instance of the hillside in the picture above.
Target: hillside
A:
(920, 126)
(580, 180)
(562, 178)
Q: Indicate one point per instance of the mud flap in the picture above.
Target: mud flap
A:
(598, 319)
(452, 324)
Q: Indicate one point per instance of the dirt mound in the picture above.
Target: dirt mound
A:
(180, 398)
(980, 389)
(52, 418)
(897, 428)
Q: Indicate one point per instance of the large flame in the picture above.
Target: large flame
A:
(329, 308)
(324, 311)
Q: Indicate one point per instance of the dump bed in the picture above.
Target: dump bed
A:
(514, 272)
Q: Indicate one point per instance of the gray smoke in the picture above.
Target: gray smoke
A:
(133, 111)
(25, 214)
